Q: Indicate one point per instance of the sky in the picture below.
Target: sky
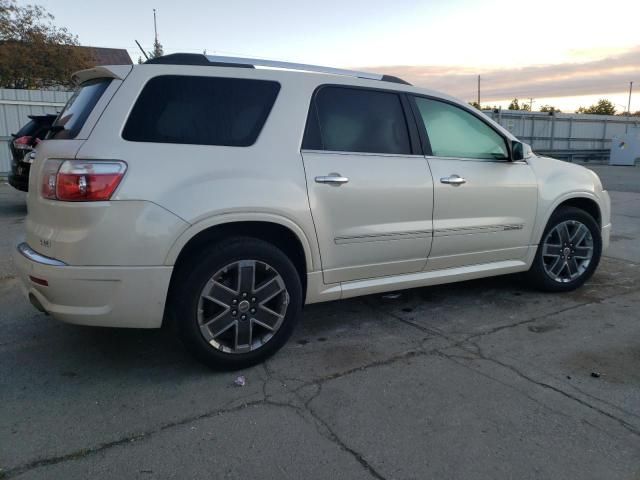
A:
(566, 53)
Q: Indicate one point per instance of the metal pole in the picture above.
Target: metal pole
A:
(479, 91)
(155, 26)
(626, 128)
(570, 133)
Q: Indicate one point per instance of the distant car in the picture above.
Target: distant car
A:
(222, 198)
(21, 146)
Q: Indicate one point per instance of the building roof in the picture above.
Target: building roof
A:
(108, 56)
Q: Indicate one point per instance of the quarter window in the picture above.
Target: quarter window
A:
(453, 132)
(75, 113)
(201, 110)
(357, 120)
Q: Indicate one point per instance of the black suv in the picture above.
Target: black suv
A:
(21, 146)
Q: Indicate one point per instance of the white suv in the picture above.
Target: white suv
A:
(221, 194)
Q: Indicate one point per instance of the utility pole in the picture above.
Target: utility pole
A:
(157, 47)
(626, 128)
(155, 26)
(531, 104)
(479, 92)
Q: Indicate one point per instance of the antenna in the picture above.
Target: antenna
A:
(142, 49)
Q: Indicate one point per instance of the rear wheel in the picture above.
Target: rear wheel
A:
(569, 251)
(237, 302)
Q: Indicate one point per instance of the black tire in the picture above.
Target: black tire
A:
(194, 274)
(537, 274)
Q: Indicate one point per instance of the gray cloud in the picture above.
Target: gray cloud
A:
(608, 75)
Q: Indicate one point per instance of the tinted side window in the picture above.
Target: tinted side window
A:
(453, 132)
(357, 120)
(201, 110)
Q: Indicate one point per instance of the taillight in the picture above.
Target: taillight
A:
(49, 173)
(81, 180)
(23, 143)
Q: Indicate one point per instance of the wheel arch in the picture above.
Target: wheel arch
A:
(585, 201)
(274, 229)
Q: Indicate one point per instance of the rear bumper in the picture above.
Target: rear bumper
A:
(128, 297)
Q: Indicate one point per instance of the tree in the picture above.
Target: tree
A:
(157, 51)
(34, 53)
(550, 109)
(603, 107)
(626, 114)
(476, 105)
(515, 105)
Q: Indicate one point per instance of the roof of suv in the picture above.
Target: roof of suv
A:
(238, 62)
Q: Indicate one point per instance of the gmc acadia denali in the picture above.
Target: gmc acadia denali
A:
(222, 194)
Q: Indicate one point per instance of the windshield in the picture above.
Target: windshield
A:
(75, 112)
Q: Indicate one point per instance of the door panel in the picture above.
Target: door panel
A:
(379, 222)
(484, 204)
(486, 219)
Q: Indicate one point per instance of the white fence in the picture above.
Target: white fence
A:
(565, 135)
(15, 108)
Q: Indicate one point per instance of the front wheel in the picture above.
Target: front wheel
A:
(568, 253)
(237, 302)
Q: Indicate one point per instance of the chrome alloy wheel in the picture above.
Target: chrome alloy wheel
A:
(567, 251)
(242, 306)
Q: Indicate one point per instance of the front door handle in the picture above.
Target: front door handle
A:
(334, 179)
(455, 180)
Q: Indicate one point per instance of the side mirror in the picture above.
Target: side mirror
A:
(517, 151)
(520, 151)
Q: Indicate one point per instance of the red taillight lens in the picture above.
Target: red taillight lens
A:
(23, 143)
(82, 180)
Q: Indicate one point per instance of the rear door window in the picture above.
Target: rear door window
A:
(357, 120)
(77, 110)
(201, 110)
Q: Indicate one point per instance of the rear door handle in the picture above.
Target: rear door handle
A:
(455, 180)
(334, 179)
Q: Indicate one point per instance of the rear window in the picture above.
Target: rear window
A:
(77, 110)
(201, 110)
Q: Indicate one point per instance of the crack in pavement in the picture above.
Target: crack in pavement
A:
(455, 359)
(524, 322)
(334, 438)
(481, 355)
(546, 315)
(132, 438)
(378, 363)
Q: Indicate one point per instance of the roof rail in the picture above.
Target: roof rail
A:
(239, 62)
